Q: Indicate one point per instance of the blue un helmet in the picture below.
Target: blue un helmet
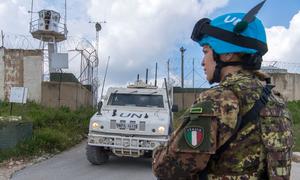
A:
(233, 33)
(228, 22)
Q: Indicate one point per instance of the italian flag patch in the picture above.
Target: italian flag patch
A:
(194, 136)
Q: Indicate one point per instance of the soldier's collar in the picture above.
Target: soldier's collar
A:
(232, 77)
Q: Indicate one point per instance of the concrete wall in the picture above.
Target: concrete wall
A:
(13, 70)
(21, 68)
(185, 97)
(288, 84)
(24, 68)
(33, 74)
(73, 95)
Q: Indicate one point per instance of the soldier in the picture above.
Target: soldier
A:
(239, 129)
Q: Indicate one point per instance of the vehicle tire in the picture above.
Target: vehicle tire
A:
(148, 154)
(96, 155)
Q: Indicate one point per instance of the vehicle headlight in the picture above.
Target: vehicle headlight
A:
(95, 125)
(161, 129)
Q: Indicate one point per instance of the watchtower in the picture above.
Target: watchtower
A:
(50, 28)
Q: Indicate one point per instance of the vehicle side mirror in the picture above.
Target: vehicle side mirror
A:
(105, 97)
(174, 108)
(99, 106)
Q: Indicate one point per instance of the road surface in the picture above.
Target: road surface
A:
(73, 165)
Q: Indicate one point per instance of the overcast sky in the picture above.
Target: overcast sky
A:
(139, 33)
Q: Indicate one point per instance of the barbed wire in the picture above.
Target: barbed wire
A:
(199, 79)
(73, 45)
(291, 67)
(19, 41)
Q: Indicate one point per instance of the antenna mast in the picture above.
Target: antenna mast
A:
(104, 77)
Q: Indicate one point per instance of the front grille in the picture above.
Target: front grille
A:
(122, 125)
(132, 125)
(142, 126)
(113, 124)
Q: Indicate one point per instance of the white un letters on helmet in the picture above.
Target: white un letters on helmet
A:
(233, 20)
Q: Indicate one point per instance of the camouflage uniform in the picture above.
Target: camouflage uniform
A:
(261, 150)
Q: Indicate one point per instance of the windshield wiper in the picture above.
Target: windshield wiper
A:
(133, 92)
(153, 93)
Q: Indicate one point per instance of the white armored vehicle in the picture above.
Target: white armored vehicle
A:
(131, 122)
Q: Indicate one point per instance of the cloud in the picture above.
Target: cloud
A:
(284, 42)
(139, 33)
(13, 22)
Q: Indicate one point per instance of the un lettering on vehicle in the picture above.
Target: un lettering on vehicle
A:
(131, 115)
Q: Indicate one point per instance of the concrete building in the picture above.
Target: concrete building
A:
(288, 84)
(185, 97)
(21, 68)
(24, 68)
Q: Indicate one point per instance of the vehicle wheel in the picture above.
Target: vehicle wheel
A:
(148, 154)
(96, 155)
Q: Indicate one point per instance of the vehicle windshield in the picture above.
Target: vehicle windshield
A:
(140, 100)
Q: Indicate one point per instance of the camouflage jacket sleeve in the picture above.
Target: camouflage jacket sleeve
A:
(209, 123)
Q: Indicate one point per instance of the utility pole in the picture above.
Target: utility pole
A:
(182, 75)
(98, 29)
(93, 75)
(194, 78)
(193, 73)
(168, 66)
(2, 38)
(147, 76)
(155, 83)
(182, 66)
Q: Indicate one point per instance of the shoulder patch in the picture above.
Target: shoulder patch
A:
(194, 136)
(204, 108)
(196, 110)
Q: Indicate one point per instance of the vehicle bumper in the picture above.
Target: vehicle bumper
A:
(113, 141)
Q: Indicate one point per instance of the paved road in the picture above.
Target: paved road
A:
(73, 165)
(295, 171)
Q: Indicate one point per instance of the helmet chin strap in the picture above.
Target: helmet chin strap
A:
(219, 65)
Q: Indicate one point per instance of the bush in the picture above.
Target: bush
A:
(294, 107)
(54, 129)
(51, 140)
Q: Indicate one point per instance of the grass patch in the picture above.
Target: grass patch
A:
(294, 108)
(54, 129)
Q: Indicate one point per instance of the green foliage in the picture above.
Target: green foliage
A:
(294, 107)
(54, 129)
